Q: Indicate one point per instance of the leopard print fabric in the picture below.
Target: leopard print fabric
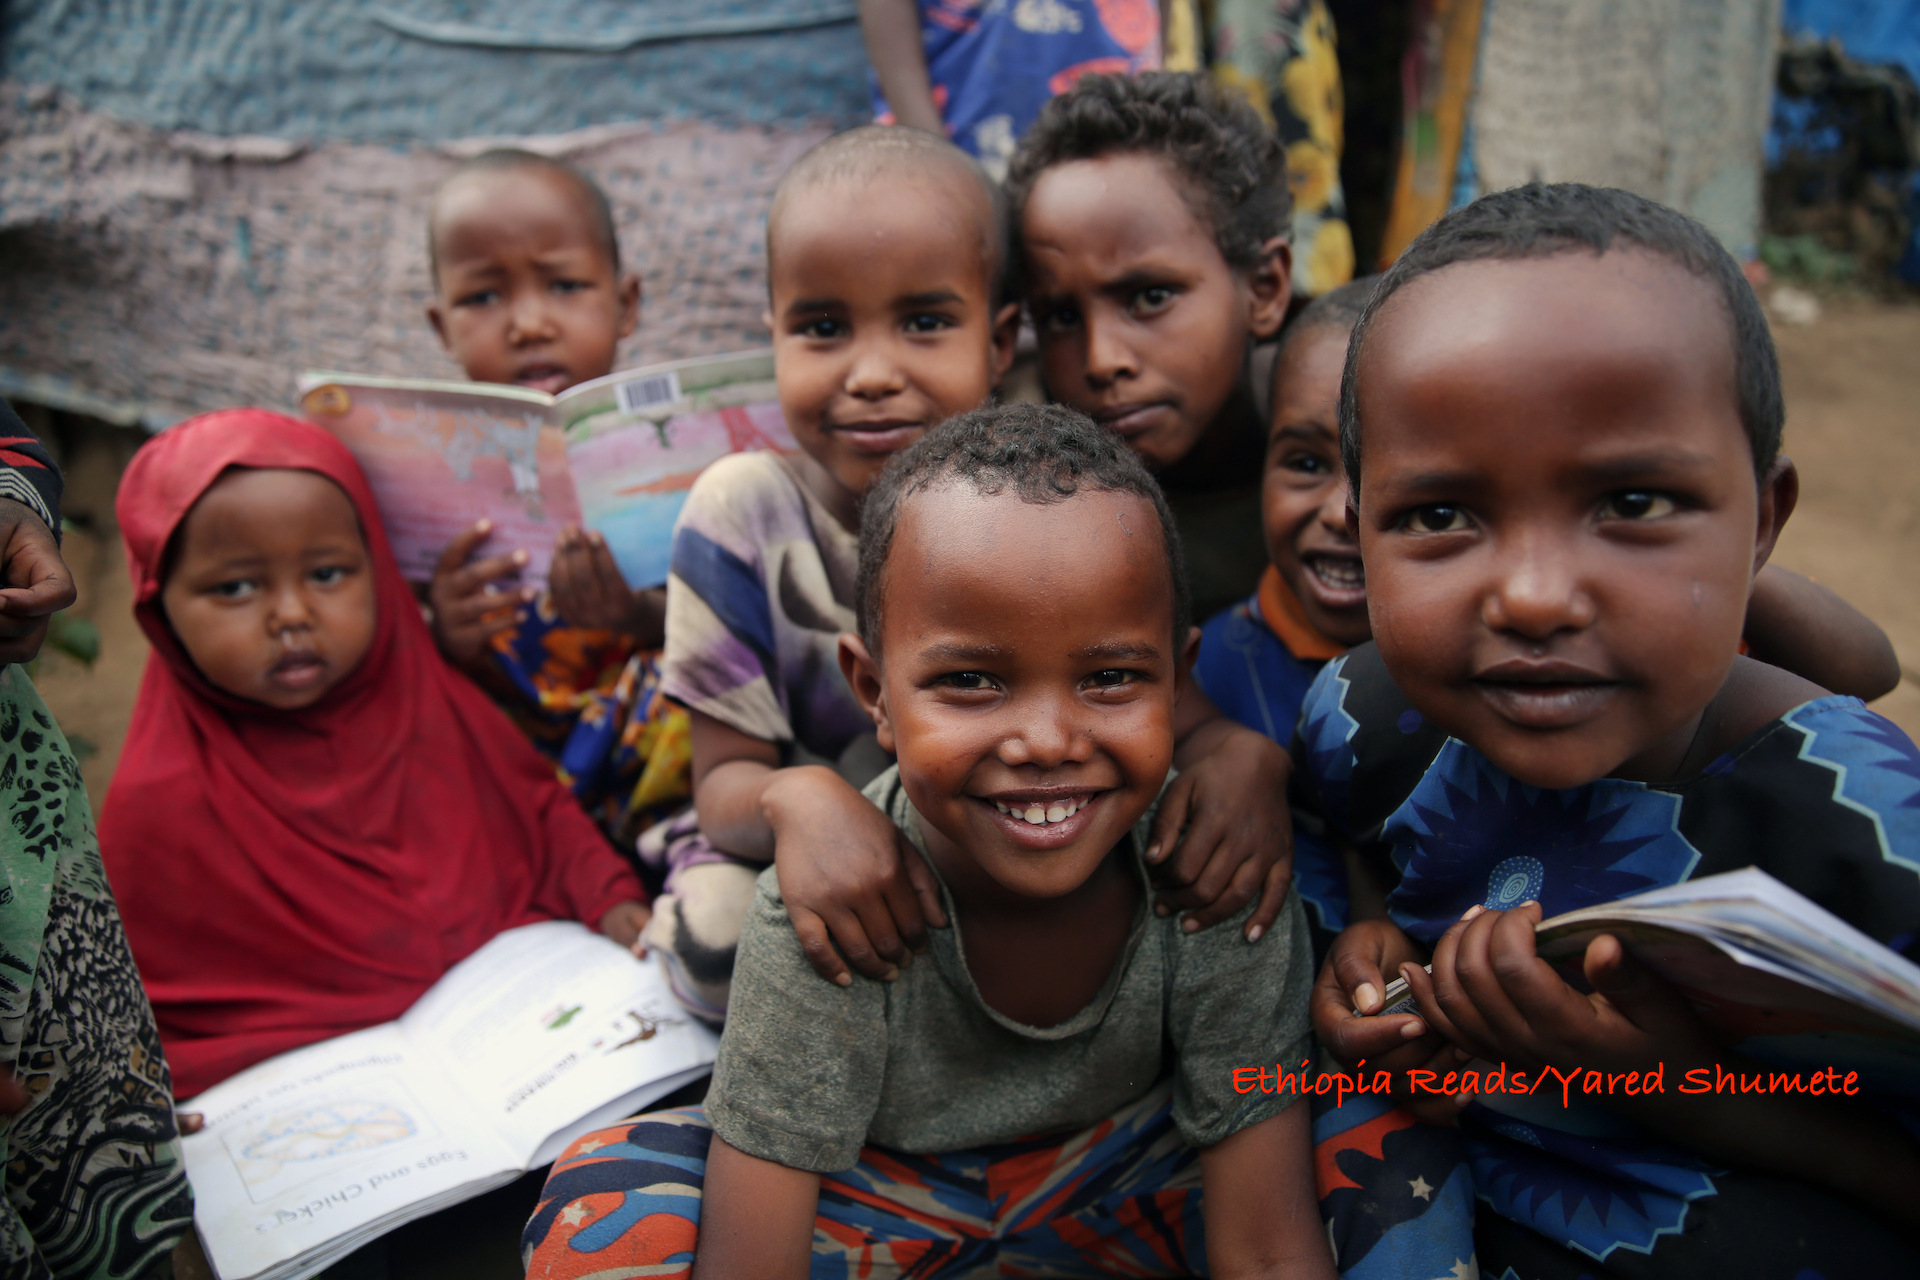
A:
(93, 1179)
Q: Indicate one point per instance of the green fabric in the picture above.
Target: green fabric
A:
(94, 1184)
(810, 1071)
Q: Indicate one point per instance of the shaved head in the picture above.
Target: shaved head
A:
(894, 153)
(593, 201)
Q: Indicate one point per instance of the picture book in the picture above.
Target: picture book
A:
(546, 1033)
(1773, 974)
(616, 455)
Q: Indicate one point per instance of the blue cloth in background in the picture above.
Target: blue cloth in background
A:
(434, 70)
(1868, 31)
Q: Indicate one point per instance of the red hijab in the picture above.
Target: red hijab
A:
(287, 876)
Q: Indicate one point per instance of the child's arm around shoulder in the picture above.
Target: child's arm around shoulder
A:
(1262, 1214)
(1799, 625)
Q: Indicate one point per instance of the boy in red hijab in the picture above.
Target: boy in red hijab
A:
(314, 817)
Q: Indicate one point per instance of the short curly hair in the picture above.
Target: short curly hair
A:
(1234, 166)
(1042, 452)
(1541, 220)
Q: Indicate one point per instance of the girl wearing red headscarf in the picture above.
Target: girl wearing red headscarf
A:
(313, 817)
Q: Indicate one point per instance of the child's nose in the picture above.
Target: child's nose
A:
(1333, 506)
(530, 319)
(1046, 731)
(1538, 590)
(1109, 355)
(874, 374)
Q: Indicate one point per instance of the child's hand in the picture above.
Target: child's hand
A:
(626, 924)
(1491, 994)
(846, 871)
(467, 609)
(588, 590)
(1238, 841)
(1354, 978)
(34, 581)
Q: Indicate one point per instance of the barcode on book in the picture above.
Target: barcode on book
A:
(644, 393)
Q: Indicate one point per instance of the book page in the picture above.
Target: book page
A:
(441, 455)
(637, 440)
(322, 1142)
(550, 1023)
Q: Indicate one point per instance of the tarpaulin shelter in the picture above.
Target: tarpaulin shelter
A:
(199, 198)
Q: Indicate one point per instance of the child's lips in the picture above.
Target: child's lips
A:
(1131, 420)
(1545, 695)
(1337, 581)
(1043, 821)
(550, 378)
(878, 437)
(298, 671)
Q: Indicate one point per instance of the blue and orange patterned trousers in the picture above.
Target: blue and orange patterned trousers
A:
(1119, 1199)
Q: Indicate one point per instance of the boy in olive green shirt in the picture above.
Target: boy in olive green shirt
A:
(1051, 1088)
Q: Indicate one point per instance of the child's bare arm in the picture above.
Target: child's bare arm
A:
(892, 31)
(847, 874)
(1223, 835)
(1492, 995)
(1795, 623)
(1262, 1214)
(1363, 959)
(756, 1217)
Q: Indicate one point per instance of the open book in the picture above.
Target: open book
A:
(1771, 972)
(616, 454)
(547, 1032)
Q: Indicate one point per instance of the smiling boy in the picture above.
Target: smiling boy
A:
(1052, 1090)
(1561, 416)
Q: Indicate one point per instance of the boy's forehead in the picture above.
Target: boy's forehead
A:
(924, 211)
(480, 204)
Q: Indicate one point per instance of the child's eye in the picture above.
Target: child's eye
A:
(1306, 464)
(823, 329)
(478, 298)
(1637, 504)
(237, 589)
(1437, 517)
(569, 286)
(330, 575)
(969, 680)
(1152, 298)
(1057, 320)
(927, 322)
(1112, 678)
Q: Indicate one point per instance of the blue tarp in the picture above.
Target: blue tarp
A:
(433, 70)
(1875, 31)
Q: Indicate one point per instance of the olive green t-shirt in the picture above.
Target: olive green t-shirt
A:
(809, 1071)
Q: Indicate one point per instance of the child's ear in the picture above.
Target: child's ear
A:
(1779, 495)
(629, 292)
(1270, 288)
(863, 676)
(1189, 654)
(1006, 330)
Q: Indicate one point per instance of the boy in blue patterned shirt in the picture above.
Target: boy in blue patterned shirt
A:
(1561, 416)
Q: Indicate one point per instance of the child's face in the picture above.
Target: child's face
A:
(882, 316)
(1558, 508)
(1304, 503)
(1143, 326)
(271, 592)
(526, 292)
(1026, 679)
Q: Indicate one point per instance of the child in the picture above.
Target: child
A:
(1561, 414)
(1022, 639)
(1258, 658)
(1152, 216)
(885, 252)
(979, 74)
(529, 290)
(313, 818)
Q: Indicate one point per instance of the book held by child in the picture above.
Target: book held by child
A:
(615, 454)
(544, 1034)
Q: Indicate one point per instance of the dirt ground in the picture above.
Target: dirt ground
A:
(1853, 426)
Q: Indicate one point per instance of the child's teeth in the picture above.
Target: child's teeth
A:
(1035, 814)
(1057, 813)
